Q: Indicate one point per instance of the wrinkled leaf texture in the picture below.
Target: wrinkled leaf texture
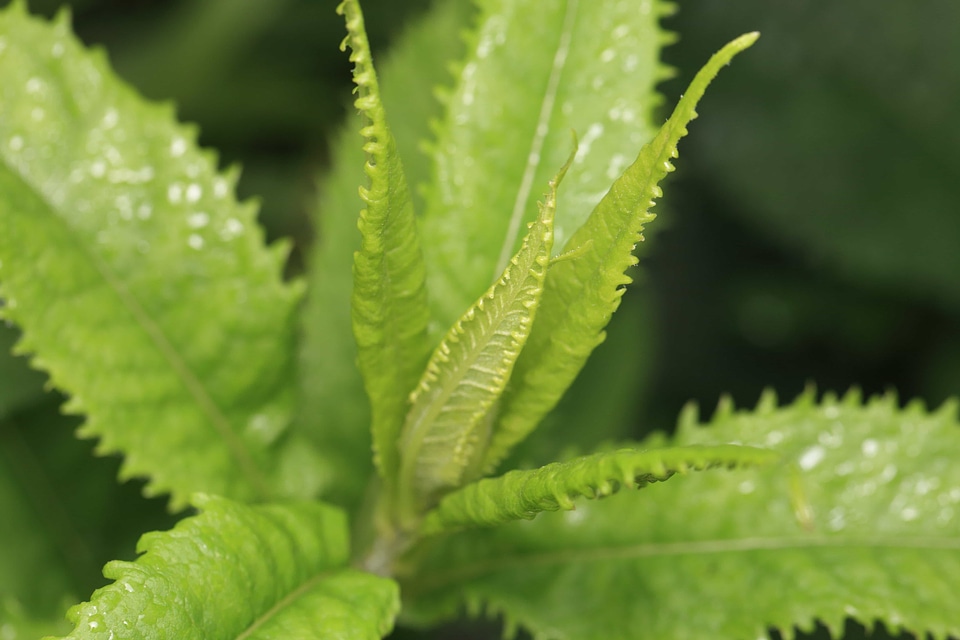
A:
(389, 302)
(447, 430)
(142, 287)
(524, 494)
(867, 527)
(582, 292)
(238, 571)
(334, 411)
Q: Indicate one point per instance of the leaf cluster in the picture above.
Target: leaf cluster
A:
(437, 335)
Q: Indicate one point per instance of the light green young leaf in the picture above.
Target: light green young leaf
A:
(237, 571)
(389, 296)
(141, 285)
(534, 70)
(583, 292)
(447, 429)
(334, 412)
(866, 526)
(523, 494)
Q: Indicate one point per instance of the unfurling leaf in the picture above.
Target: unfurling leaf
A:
(389, 297)
(447, 429)
(523, 494)
(582, 293)
(142, 286)
(237, 571)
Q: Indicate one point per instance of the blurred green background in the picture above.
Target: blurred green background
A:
(811, 234)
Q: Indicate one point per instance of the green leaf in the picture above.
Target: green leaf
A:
(523, 494)
(533, 72)
(583, 292)
(866, 526)
(276, 570)
(389, 297)
(334, 412)
(141, 285)
(446, 430)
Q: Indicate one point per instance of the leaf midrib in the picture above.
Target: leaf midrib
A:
(155, 334)
(285, 602)
(541, 130)
(481, 568)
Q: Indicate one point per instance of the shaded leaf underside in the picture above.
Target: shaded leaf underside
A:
(867, 526)
(141, 285)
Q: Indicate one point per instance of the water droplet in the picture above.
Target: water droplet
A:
(811, 457)
(831, 412)
(631, 62)
(926, 485)
(57, 49)
(836, 519)
(870, 448)
(144, 211)
(908, 514)
(110, 118)
(746, 487)
(231, 229)
(34, 85)
(774, 438)
(845, 468)
(37, 114)
(889, 473)
(195, 241)
(621, 31)
(93, 624)
(945, 515)
(126, 585)
(194, 192)
(98, 169)
(16, 143)
(175, 193)
(198, 220)
(607, 55)
(220, 188)
(178, 146)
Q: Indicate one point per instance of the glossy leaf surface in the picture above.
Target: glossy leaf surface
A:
(236, 571)
(143, 287)
(533, 72)
(866, 525)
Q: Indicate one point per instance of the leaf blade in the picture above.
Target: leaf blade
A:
(389, 302)
(277, 569)
(533, 72)
(445, 432)
(333, 408)
(524, 494)
(583, 292)
(118, 234)
(723, 535)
